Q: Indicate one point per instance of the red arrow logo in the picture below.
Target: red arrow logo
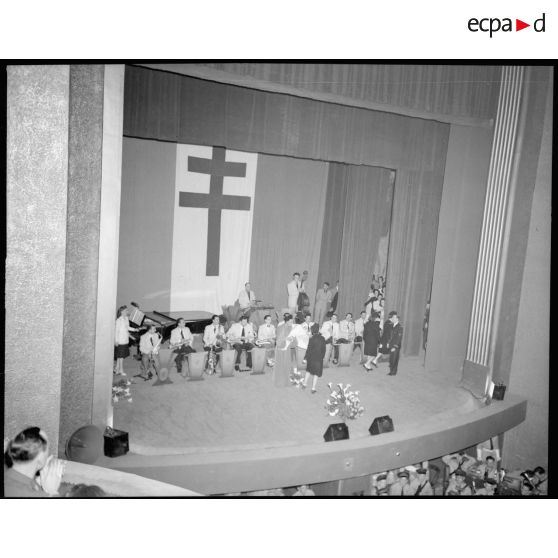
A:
(519, 25)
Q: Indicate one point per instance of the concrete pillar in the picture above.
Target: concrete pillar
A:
(37, 179)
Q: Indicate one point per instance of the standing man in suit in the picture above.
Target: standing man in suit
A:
(293, 289)
(323, 299)
(334, 298)
(241, 336)
(394, 343)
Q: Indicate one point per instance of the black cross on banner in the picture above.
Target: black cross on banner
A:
(215, 201)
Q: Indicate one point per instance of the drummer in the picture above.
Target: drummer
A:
(247, 300)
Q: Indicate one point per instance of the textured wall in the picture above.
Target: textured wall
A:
(457, 247)
(37, 174)
(82, 247)
(527, 444)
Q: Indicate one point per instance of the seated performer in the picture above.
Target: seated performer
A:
(181, 343)
(246, 300)
(149, 345)
(402, 486)
(330, 329)
(346, 335)
(241, 336)
(421, 485)
(213, 337)
(266, 333)
(488, 489)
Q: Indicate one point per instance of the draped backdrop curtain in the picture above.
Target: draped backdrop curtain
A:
(287, 226)
(367, 220)
(181, 109)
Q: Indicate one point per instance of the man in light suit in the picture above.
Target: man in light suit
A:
(293, 289)
(323, 299)
(241, 336)
(246, 300)
(213, 337)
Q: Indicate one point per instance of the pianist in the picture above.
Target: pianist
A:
(181, 340)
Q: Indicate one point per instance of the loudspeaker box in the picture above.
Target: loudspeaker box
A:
(338, 431)
(381, 425)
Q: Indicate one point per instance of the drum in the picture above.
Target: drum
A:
(300, 353)
(226, 362)
(197, 365)
(345, 352)
(259, 358)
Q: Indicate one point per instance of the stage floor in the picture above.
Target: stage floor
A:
(247, 412)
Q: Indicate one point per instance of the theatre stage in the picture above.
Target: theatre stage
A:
(180, 431)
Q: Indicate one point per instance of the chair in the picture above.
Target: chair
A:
(226, 363)
(259, 358)
(197, 365)
(345, 352)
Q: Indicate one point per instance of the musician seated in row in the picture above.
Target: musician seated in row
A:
(181, 340)
(149, 345)
(241, 336)
(346, 334)
(330, 329)
(266, 333)
(214, 337)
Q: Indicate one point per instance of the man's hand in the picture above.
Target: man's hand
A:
(51, 475)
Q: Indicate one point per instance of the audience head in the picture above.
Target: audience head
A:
(490, 461)
(421, 472)
(490, 485)
(85, 491)
(539, 472)
(403, 477)
(526, 488)
(381, 481)
(460, 477)
(315, 329)
(29, 446)
(122, 311)
(215, 319)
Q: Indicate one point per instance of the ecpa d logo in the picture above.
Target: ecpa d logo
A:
(492, 25)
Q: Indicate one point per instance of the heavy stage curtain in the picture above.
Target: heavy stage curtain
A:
(367, 220)
(180, 109)
(287, 226)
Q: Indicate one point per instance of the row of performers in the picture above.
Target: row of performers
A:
(243, 337)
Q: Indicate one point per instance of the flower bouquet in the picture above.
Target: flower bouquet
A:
(343, 403)
(121, 390)
(296, 377)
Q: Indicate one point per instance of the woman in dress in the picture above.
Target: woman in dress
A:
(371, 336)
(315, 354)
(283, 358)
(122, 339)
(371, 300)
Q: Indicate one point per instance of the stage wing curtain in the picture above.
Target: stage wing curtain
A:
(367, 220)
(287, 225)
(414, 229)
(334, 215)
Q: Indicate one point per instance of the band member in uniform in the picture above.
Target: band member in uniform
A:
(402, 486)
(293, 289)
(394, 343)
(241, 336)
(149, 345)
(323, 299)
(180, 342)
(122, 339)
(458, 486)
(213, 339)
(422, 486)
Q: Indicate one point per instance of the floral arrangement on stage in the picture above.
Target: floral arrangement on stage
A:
(343, 403)
(121, 390)
(296, 377)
